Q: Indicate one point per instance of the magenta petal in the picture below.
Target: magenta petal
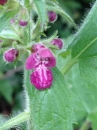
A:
(46, 53)
(51, 63)
(37, 47)
(30, 62)
(51, 60)
(41, 78)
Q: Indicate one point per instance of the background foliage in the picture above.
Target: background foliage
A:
(12, 97)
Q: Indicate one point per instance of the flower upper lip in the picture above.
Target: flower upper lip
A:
(42, 56)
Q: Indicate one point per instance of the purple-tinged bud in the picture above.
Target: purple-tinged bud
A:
(10, 55)
(0, 41)
(52, 16)
(12, 21)
(3, 2)
(41, 78)
(57, 42)
(23, 23)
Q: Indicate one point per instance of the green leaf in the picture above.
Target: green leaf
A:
(6, 90)
(41, 8)
(9, 34)
(82, 98)
(5, 19)
(51, 108)
(83, 49)
(86, 37)
(88, 69)
(1, 7)
(13, 5)
(27, 4)
(12, 8)
(36, 30)
(84, 42)
(86, 92)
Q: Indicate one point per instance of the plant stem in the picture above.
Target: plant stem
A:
(85, 125)
(29, 95)
(15, 121)
(74, 60)
(69, 64)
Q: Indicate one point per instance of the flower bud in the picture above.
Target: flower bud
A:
(52, 16)
(57, 42)
(23, 23)
(10, 55)
(12, 21)
(3, 2)
(0, 41)
(41, 78)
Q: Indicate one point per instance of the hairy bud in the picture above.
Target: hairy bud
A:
(52, 16)
(23, 23)
(57, 42)
(0, 40)
(10, 55)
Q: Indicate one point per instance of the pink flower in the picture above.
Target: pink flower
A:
(57, 42)
(41, 61)
(10, 55)
(52, 16)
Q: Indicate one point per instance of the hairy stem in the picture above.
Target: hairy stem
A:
(15, 121)
(85, 125)
(29, 95)
(69, 64)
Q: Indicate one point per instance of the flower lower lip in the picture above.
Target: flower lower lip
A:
(41, 78)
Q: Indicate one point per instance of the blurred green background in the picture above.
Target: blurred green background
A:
(12, 93)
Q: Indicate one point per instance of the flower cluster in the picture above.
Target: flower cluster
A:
(41, 60)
